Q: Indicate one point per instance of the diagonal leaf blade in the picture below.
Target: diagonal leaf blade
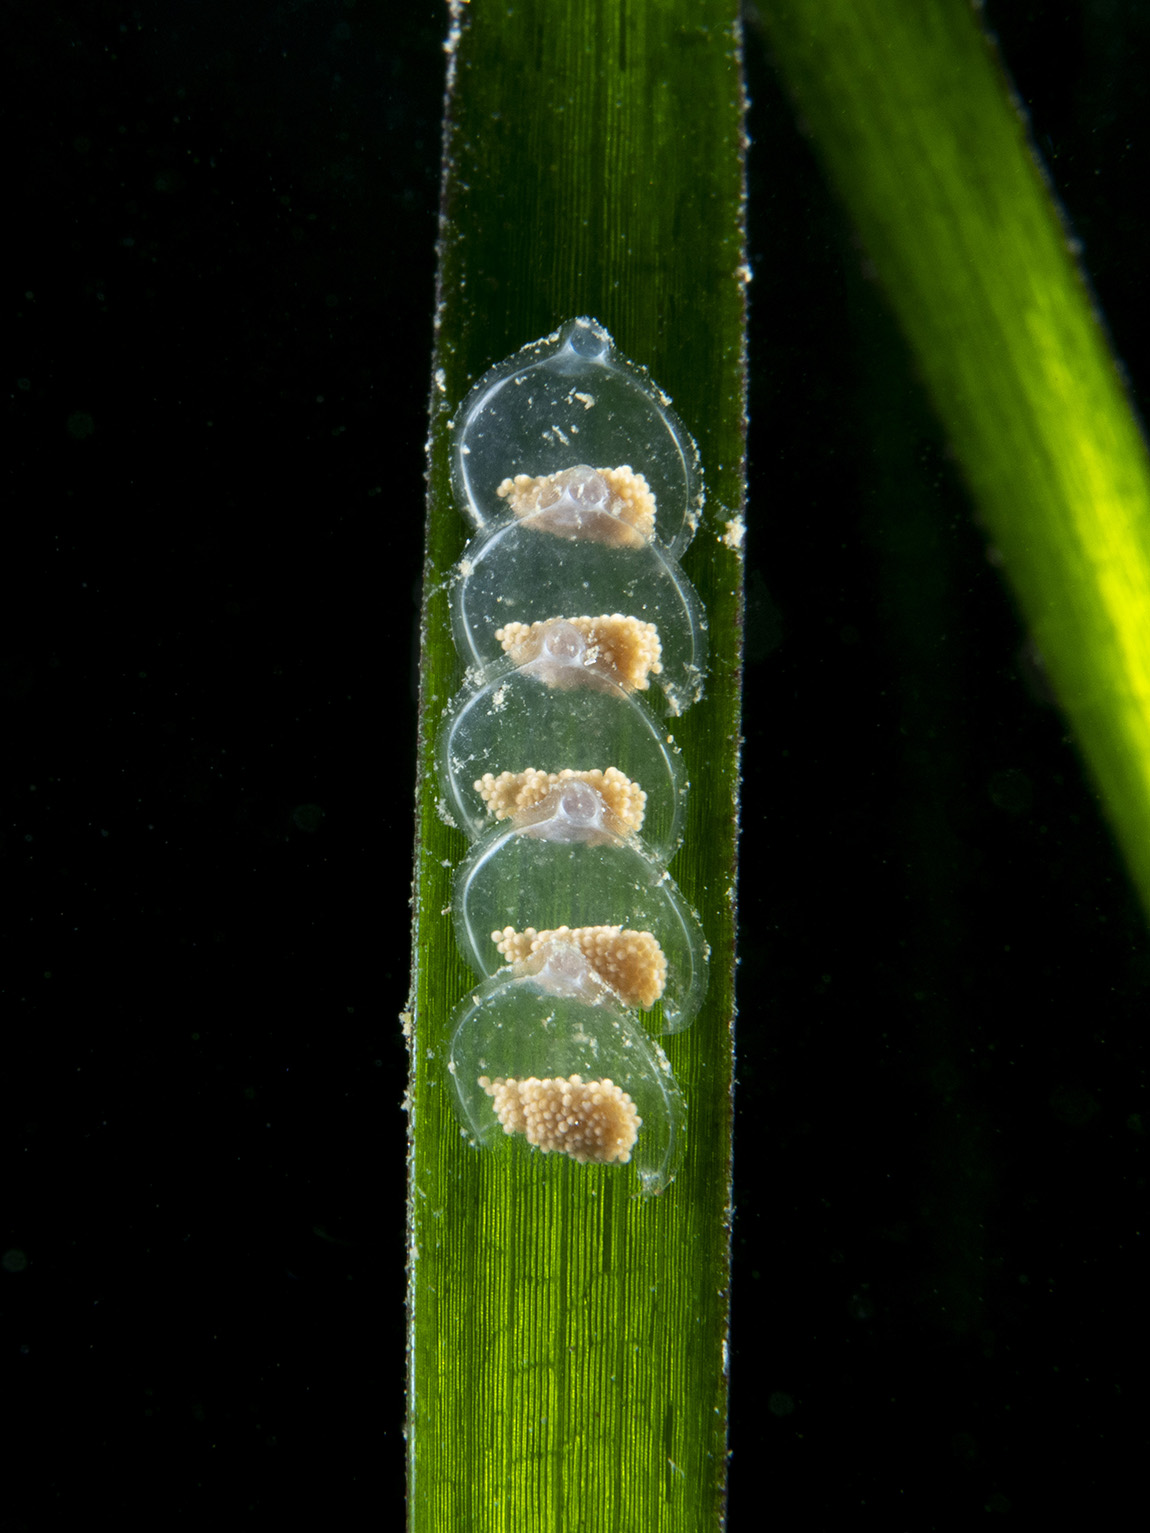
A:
(915, 124)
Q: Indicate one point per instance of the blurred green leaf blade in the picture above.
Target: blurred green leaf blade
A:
(916, 125)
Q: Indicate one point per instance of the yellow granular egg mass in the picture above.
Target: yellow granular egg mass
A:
(626, 649)
(511, 793)
(631, 962)
(612, 505)
(587, 1120)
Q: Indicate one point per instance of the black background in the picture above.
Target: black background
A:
(221, 221)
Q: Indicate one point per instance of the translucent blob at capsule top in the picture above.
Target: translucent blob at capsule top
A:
(546, 1053)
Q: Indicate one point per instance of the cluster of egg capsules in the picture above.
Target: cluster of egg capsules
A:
(582, 637)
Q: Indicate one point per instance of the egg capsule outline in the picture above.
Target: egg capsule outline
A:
(555, 578)
(569, 854)
(553, 730)
(567, 399)
(553, 1018)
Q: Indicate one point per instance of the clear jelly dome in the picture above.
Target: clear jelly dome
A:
(519, 721)
(548, 1056)
(566, 866)
(512, 572)
(568, 399)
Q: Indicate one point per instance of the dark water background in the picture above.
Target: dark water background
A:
(222, 220)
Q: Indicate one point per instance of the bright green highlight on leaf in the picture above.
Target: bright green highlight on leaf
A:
(567, 1335)
(907, 106)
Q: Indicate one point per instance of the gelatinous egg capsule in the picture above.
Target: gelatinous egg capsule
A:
(521, 726)
(545, 1052)
(510, 576)
(569, 401)
(565, 868)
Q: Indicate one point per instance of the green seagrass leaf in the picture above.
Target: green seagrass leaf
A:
(567, 1337)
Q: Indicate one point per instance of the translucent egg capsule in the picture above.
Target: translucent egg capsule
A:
(545, 1051)
(499, 740)
(513, 575)
(563, 863)
(571, 401)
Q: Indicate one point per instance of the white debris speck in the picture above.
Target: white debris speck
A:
(734, 535)
(445, 815)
